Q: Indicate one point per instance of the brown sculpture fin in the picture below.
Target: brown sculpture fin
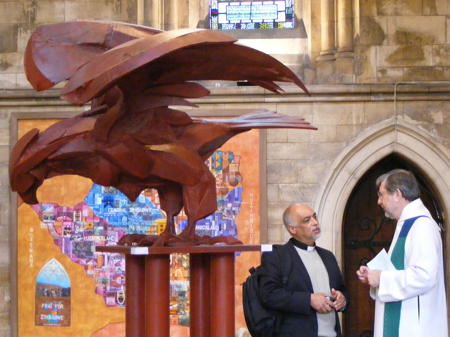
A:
(133, 138)
(101, 72)
(54, 52)
(19, 148)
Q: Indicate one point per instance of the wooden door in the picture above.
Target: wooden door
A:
(366, 231)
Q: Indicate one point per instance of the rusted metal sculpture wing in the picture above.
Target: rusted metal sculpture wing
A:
(130, 138)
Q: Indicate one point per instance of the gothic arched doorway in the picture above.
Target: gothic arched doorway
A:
(366, 231)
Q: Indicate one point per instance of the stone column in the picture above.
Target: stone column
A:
(191, 14)
(149, 13)
(327, 35)
(344, 56)
(298, 10)
(154, 11)
(171, 13)
(140, 12)
(344, 28)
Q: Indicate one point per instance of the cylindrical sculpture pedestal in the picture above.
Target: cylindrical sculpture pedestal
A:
(222, 295)
(157, 292)
(135, 302)
(148, 289)
(200, 314)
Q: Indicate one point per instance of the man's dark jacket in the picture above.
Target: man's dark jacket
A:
(293, 301)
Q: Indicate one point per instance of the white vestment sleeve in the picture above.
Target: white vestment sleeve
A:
(373, 293)
(422, 256)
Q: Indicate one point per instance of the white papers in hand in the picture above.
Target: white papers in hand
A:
(381, 262)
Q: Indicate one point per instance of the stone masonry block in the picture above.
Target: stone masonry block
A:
(4, 155)
(426, 74)
(8, 80)
(22, 39)
(448, 31)
(346, 133)
(345, 69)
(337, 114)
(365, 63)
(281, 171)
(22, 81)
(4, 182)
(8, 38)
(404, 37)
(375, 112)
(435, 132)
(325, 71)
(441, 55)
(442, 7)
(272, 192)
(325, 151)
(422, 29)
(11, 62)
(287, 151)
(427, 112)
(324, 133)
(404, 56)
(292, 193)
(277, 136)
(312, 172)
(298, 109)
(435, 7)
(390, 74)
(442, 131)
(50, 11)
(373, 31)
(275, 212)
(368, 8)
(4, 129)
(4, 276)
(299, 136)
(4, 322)
(275, 233)
(94, 9)
(5, 298)
(4, 254)
(10, 11)
(399, 7)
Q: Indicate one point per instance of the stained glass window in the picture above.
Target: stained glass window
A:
(52, 303)
(274, 14)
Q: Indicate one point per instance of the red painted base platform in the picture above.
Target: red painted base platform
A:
(211, 282)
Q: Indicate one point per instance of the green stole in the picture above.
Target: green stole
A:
(392, 309)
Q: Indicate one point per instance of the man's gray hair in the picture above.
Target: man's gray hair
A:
(401, 180)
(287, 216)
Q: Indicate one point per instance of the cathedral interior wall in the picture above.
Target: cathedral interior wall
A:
(369, 65)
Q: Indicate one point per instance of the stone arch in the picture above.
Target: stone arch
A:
(371, 146)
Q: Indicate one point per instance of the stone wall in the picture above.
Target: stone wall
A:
(345, 41)
(393, 42)
(19, 18)
(402, 41)
(298, 161)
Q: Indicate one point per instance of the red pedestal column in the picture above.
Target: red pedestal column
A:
(200, 311)
(157, 291)
(222, 295)
(148, 289)
(135, 301)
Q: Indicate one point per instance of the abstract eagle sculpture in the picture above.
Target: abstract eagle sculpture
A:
(130, 139)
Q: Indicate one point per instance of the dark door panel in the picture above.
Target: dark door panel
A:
(366, 231)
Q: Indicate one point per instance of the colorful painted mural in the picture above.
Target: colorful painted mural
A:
(75, 215)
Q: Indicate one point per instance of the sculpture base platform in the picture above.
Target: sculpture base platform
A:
(212, 306)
